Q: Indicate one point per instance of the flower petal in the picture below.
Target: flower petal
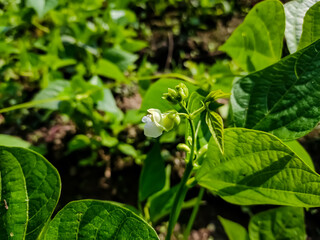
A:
(146, 119)
(151, 130)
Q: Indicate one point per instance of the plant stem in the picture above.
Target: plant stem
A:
(32, 103)
(193, 215)
(170, 75)
(183, 188)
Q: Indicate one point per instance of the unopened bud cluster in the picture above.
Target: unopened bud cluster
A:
(176, 95)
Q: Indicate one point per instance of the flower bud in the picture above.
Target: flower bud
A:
(170, 120)
(169, 98)
(183, 91)
(183, 147)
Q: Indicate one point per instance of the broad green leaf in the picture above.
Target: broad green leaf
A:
(257, 42)
(278, 223)
(222, 75)
(93, 219)
(120, 57)
(311, 27)
(108, 103)
(295, 12)
(30, 187)
(257, 168)
(234, 230)
(215, 124)
(153, 175)
(108, 69)
(153, 97)
(282, 99)
(13, 141)
(80, 141)
(299, 150)
(127, 149)
(52, 91)
(42, 6)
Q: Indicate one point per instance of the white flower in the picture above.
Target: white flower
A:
(157, 122)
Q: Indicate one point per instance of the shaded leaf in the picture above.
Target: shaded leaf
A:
(257, 42)
(282, 99)
(153, 175)
(278, 223)
(257, 168)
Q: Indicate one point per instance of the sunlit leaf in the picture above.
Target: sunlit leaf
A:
(311, 27)
(257, 168)
(42, 6)
(295, 12)
(234, 230)
(257, 42)
(215, 124)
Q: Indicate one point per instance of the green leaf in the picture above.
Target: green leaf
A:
(127, 149)
(120, 57)
(279, 223)
(204, 135)
(108, 69)
(107, 140)
(296, 147)
(234, 230)
(282, 99)
(92, 219)
(257, 168)
(108, 103)
(80, 141)
(153, 175)
(295, 12)
(153, 97)
(30, 189)
(42, 6)
(13, 141)
(257, 42)
(311, 27)
(52, 91)
(215, 124)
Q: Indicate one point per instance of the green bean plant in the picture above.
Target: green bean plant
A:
(249, 157)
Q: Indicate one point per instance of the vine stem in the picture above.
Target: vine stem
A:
(33, 103)
(193, 215)
(169, 75)
(183, 188)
